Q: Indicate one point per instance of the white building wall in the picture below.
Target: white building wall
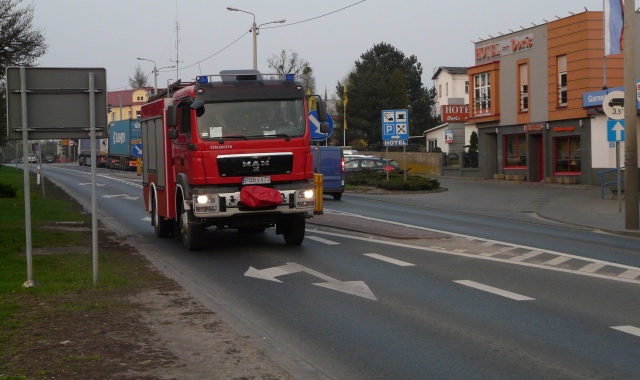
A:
(603, 153)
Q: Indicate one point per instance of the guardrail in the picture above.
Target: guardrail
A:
(601, 177)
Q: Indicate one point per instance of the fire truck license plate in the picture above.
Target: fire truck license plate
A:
(256, 180)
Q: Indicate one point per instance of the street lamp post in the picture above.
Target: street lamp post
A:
(155, 73)
(255, 30)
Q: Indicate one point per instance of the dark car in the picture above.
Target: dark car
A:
(48, 158)
(376, 164)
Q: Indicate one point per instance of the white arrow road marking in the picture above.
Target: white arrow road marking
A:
(89, 183)
(389, 260)
(123, 196)
(356, 288)
(147, 219)
(493, 290)
(628, 329)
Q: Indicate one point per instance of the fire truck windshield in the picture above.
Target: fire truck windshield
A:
(252, 120)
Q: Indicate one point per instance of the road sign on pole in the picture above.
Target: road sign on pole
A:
(615, 130)
(613, 105)
(395, 125)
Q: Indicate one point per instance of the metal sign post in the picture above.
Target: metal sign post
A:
(58, 103)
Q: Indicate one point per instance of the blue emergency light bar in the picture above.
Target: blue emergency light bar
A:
(202, 79)
(289, 77)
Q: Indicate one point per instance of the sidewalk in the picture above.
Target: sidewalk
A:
(578, 205)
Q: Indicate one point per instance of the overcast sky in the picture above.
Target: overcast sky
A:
(112, 34)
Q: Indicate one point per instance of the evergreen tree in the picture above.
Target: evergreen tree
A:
(384, 78)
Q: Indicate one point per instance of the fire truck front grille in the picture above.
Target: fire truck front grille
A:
(253, 165)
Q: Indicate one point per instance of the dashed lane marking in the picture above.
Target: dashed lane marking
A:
(628, 329)
(321, 240)
(389, 260)
(491, 289)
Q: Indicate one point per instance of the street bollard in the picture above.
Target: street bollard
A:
(317, 180)
(139, 166)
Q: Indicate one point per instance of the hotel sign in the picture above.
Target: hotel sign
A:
(455, 113)
(504, 47)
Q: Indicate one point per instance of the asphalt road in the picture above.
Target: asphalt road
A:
(474, 296)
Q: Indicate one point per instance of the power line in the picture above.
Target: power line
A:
(218, 52)
(279, 26)
(314, 18)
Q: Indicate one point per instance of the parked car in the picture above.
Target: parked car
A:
(16, 161)
(376, 164)
(48, 158)
(33, 159)
(332, 169)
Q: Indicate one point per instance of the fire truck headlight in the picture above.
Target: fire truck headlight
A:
(206, 203)
(202, 199)
(305, 194)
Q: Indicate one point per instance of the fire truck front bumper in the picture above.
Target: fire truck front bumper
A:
(212, 202)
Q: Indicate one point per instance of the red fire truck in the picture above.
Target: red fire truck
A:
(230, 153)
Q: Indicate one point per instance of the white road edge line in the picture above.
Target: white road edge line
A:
(389, 260)
(491, 289)
(628, 329)
(487, 241)
(371, 239)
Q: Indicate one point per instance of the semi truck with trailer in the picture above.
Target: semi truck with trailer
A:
(124, 140)
(229, 152)
(84, 152)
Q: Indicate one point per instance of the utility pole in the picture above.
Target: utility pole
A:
(630, 120)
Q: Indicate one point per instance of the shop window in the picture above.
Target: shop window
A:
(515, 151)
(524, 87)
(482, 94)
(562, 81)
(567, 155)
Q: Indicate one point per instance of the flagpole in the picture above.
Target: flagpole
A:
(604, 49)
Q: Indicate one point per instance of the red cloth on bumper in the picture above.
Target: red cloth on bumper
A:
(259, 196)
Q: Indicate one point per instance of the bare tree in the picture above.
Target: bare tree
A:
(20, 45)
(139, 80)
(290, 63)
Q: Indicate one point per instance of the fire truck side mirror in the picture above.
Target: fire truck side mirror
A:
(322, 111)
(173, 134)
(172, 116)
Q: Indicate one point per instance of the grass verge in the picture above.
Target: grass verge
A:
(59, 329)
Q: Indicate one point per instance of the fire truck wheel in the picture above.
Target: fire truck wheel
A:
(293, 232)
(161, 226)
(190, 230)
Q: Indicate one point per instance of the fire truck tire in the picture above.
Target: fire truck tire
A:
(161, 226)
(190, 231)
(293, 232)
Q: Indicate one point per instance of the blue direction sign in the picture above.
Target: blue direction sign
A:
(395, 125)
(137, 150)
(314, 124)
(615, 130)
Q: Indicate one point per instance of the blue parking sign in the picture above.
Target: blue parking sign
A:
(395, 125)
